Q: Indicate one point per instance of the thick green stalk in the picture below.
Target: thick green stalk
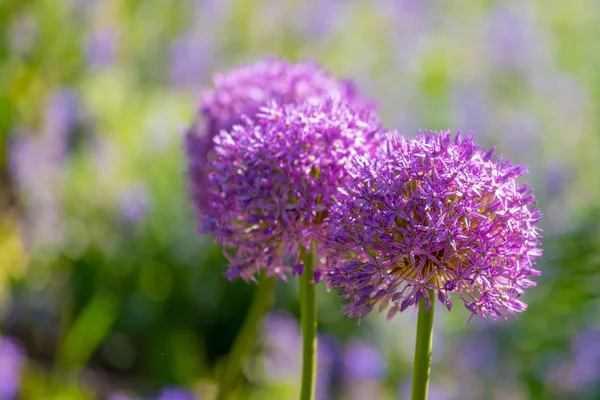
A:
(308, 315)
(261, 303)
(423, 345)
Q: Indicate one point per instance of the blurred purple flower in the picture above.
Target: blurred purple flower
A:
(62, 114)
(102, 46)
(327, 363)
(559, 377)
(522, 133)
(12, 358)
(413, 23)
(36, 161)
(469, 108)
(477, 353)
(49, 147)
(283, 342)
(121, 396)
(315, 21)
(513, 39)
(363, 361)
(283, 353)
(191, 56)
(215, 9)
(275, 179)
(586, 363)
(556, 178)
(175, 393)
(133, 203)
(434, 213)
(507, 31)
(242, 91)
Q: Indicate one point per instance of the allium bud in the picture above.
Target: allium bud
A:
(435, 213)
(275, 178)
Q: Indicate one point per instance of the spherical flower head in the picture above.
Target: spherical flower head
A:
(275, 178)
(243, 91)
(438, 213)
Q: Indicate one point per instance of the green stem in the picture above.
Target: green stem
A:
(423, 345)
(261, 302)
(308, 315)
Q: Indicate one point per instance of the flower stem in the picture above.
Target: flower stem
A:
(423, 345)
(308, 315)
(261, 302)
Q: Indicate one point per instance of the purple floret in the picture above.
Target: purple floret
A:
(275, 177)
(435, 213)
(243, 91)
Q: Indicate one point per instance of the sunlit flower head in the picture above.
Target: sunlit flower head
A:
(276, 176)
(438, 213)
(242, 91)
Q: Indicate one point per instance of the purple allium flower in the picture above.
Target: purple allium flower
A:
(12, 357)
(275, 177)
(245, 89)
(434, 213)
(242, 91)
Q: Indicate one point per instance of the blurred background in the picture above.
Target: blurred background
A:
(106, 290)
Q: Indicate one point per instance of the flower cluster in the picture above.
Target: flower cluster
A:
(287, 156)
(276, 176)
(434, 213)
(243, 91)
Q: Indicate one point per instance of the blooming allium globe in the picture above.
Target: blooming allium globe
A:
(438, 213)
(275, 178)
(242, 91)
